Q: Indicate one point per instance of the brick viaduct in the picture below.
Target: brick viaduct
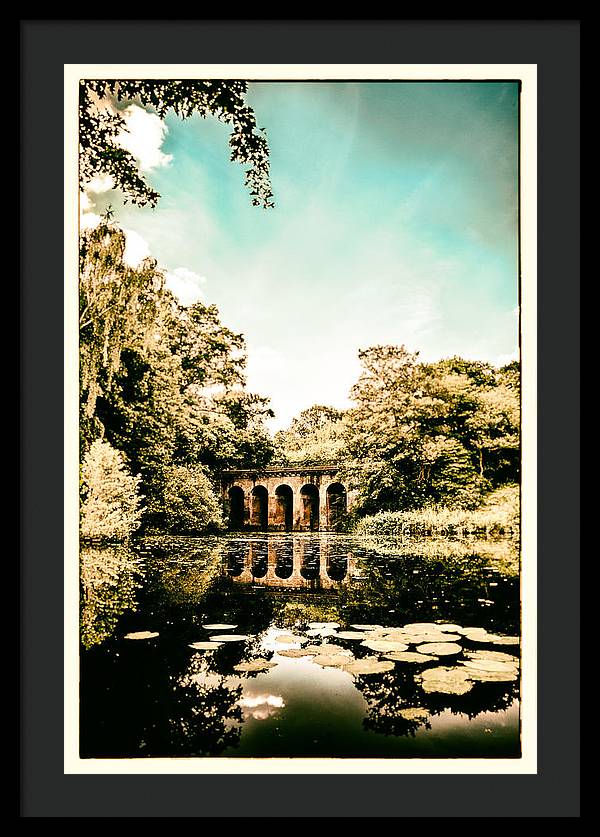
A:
(285, 499)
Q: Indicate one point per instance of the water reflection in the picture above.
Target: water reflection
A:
(283, 689)
(109, 580)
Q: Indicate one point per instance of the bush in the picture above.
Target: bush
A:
(111, 504)
(185, 502)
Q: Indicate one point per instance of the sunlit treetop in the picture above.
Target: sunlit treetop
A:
(99, 127)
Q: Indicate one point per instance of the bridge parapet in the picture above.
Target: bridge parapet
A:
(287, 498)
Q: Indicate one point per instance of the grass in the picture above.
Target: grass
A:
(498, 515)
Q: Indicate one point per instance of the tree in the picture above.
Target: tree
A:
(111, 504)
(185, 502)
(100, 123)
(316, 435)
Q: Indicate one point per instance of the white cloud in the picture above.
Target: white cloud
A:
(185, 284)
(143, 138)
(100, 183)
(88, 220)
(136, 248)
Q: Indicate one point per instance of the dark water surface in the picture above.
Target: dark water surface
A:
(157, 696)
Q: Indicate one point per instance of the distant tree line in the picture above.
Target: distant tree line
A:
(419, 433)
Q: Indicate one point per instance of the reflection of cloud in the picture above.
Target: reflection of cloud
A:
(261, 707)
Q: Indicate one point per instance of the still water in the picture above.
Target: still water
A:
(299, 645)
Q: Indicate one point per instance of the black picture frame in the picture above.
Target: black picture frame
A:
(46, 45)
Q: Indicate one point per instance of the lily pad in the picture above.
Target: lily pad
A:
(289, 639)
(489, 665)
(229, 637)
(492, 676)
(448, 681)
(205, 646)
(409, 657)
(141, 635)
(327, 648)
(255, 665)
(384, 645)
(323, 624)
(414, 713)
(218, 626)
(293, 652)
(445, 626)
(439, 648)
(501, 656)
(369, 665)
(331, 660)
(350, 635)
(506, 640)
(367, 627)
(421, 626)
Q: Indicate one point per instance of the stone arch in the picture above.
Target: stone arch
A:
(337, 504)
(284, 507)
(309, 507)
(259, 508)
(236, 507)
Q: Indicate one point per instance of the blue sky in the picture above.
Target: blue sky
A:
(395, 222)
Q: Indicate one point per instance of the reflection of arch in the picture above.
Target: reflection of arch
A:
(236, 507)
(336, 504)
(259, 509)
(284, 561)
(284, 507)
(310, 566)
(309, 506)
(337, 567)
(258, 555)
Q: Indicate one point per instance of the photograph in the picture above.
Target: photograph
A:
(299, 462)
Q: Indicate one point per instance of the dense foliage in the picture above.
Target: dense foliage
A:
(313, 437)
(419, 435)
(110, 501)
(162, 383)
(101, 122)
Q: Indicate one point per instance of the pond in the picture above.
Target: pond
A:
(300, 645)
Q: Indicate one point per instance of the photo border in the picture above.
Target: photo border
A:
(55, 43)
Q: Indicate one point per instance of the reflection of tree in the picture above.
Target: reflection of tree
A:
(414, 588)
(109, 579)
(207, 715)
(387, 694)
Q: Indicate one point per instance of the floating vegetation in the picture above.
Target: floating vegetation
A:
(293, 652)
(367, 627)
(326, 648)
(501, 656)
(331, 660)
(489, 665)
(368, 665)
(350, 635)
(141, 635)
(492, 676)
(452, 628)
(257, 665)
(229, 637)
(384, 645)
(217, 626)
(409, 657)
(439, 648)
(205, 646)
(447, 681)
(288, 639)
